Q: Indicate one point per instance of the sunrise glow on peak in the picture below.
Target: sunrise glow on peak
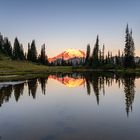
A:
(75, 52)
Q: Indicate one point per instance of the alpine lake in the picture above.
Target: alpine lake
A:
(75, 106)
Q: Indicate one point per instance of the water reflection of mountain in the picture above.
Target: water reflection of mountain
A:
(69, 81)
(94, 83)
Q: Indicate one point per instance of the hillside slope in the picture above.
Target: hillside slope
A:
(10, 67)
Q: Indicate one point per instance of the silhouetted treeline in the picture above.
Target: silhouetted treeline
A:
(129, 51)
(16, 52)
(98, 59)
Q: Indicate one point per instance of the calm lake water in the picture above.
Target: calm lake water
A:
(71, 107)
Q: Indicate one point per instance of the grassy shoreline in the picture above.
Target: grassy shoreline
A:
(42, 73)
(16, 70)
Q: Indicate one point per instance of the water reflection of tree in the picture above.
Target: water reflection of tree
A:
(98, 83)
(18, 90)
(93, 81)
(96, 87)
(43, 82)
(129, 89)
(5, 94)
(87, 79)
(32, 87)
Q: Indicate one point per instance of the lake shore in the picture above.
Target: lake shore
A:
(39, 71)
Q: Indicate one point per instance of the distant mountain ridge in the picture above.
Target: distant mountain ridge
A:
(68, 54)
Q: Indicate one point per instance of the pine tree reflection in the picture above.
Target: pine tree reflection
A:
(88, 86)
(5, 94)
(18, 90)
(43, 82)
(32, 88)
(96, 87)
(97, 82)
(129, 89)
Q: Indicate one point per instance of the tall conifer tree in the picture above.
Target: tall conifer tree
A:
(87, 60)
(29, 52)
(95, 54)
(33, 52)
(7, 48)
(129, 50)
(16, 49)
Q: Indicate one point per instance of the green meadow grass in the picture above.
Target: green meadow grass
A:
(22, 70)
(13, 70)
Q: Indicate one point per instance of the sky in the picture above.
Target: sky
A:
(64, 24)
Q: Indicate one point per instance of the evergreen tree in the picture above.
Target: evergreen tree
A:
(108, 57)
(29, 52)
(100, 56)
(18, 52)
(117, 60)
(103, 54)
(95, 55)
(16, 49)
(81, 62)
(33, 52)
(132, 51)
(43, 58)
(1, 43)
(111, 58)
(7, 48)
(129, 50)
(87, 60)
(122, 59)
